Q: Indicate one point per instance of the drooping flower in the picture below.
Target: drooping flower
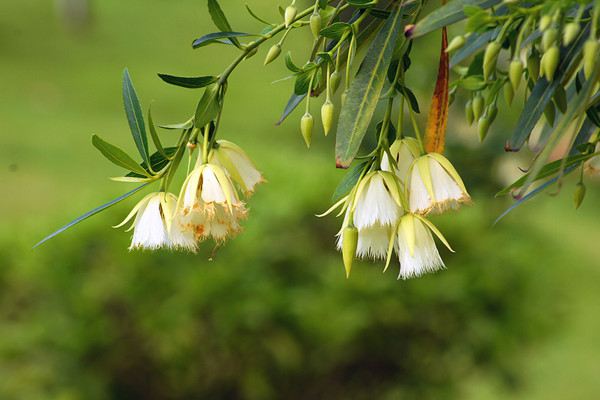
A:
(153, 227)
(434, 185)
(416, 248)
(404, 152)
(237, 165)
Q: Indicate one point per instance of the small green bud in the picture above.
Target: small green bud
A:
(491, 112)
(306, 128)
(570, 32)
(548, 38)
(550, 113)
(515, 73)
(349, 243)
(469, 112)
(489, 58)
(456, 43)
(273, 53)
(533, 66)
(327, 110)
(315, 24)
(579, 194)
(334, 81)
(590, 50)
(509, 93)
(478, 104)
(290, 15)
(560, 98)
(550, 62)
(483, 126)
(545, 22)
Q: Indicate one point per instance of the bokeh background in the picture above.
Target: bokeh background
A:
(270, 315)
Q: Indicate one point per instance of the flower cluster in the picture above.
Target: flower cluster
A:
(386, 209)
(209, 204)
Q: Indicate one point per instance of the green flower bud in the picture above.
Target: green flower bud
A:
(491, 112)
(570, 32)
(306, 128)
(515, 73)
(327, 110)
(349, 243)
(533, 66)
(483, 126)
(478, 104)
(545, 22)
(560, 98)
(273, 53)
(334, 81)
(489, 58)
(315, 24)
(290, 15)
(509, 93)
(579, 194)
(550, 113)
(548, 38)
(590, 50)
(469, 112)
(550, 62)
(455, 44)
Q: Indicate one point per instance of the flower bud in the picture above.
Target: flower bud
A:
(509, 93)
(350, 241)
(273, 53)
(456, 43)
(491, 112)
(515, 73)
(570, 32)
(327, 110)
(545, 22)
(315, 24)
(469, 112)
(334, 82)
(533, 66)
(560, 98)
(290, 15)
(590, 50)
(489, 58)
(306, 127)
(579, 194)
(550, 113)
(477, 106)
(483, 126)
(548, 38)
(550, 62)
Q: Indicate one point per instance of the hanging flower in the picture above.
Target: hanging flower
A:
(153, 226)
(237, 165)
(434, 185)
(404, 152)
(592, 166)
(209, 204)
(416, 248)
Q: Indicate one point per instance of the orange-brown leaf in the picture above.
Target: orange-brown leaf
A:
(435, 136)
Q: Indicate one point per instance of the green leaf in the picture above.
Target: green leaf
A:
(409, 96)
(190, 83)
(208, 106)
(365, 90)
(158, 161)
(117, 156)
(448, 14)
(472, 83)
(154, 136)
(348, 181)
(256, 17)
(335, 31)
(220, 20)
(89, 214)
(474, 44)
(135, 117)
(362, 3)
(182, 125)
(216, 38)
(290, 64)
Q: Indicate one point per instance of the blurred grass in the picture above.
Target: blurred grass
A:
(59, 86)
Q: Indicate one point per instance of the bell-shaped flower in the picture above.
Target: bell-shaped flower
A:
(403, 152)
(416, 247)
(237, 165)
(153, 226)
(377, 200)
(434, 185)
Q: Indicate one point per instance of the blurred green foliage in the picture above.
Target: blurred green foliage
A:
(270, 314)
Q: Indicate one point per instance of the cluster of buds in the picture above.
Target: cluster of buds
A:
(386, 209)
(209, 204)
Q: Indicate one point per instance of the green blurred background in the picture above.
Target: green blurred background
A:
(270, 315)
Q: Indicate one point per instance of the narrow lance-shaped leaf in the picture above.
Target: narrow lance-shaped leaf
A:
(154, 135)
(435, 135)
(90, 213)
(207, 106)
(218, 37)
(117, 156)
(135, 117)
(196, 82)
(220, 20)
(365, 90)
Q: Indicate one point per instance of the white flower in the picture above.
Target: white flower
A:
(416, 248)
(237, 165)
(153, 227)
(373, 242)
(209, 204)
(377, 200)
(435, 185)
(403, 151)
